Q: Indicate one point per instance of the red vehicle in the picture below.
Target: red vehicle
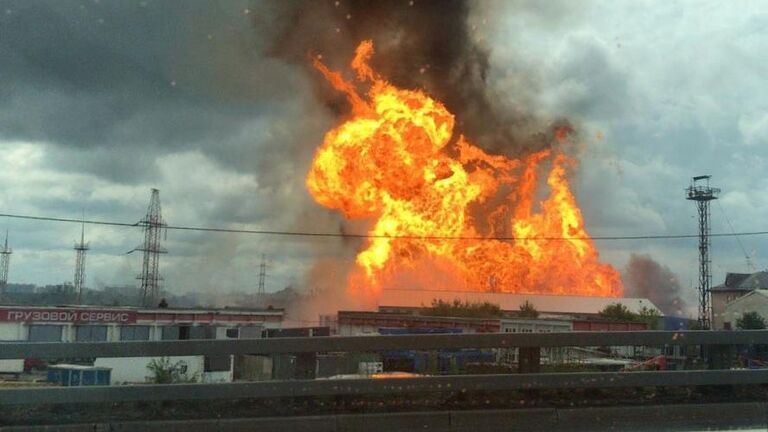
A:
(31, 364)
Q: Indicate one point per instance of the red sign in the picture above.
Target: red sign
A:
(65, 315)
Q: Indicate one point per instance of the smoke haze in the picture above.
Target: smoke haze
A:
(645, 278)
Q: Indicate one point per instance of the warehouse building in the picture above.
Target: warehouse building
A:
(405, 320)
(116, 324)
(550, 306)
(364, 323)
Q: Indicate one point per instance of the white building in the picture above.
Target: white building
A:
(755, 301)
(102, 324)
(736, 285)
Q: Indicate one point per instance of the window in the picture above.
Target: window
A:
(217, 363)
(233, 333)
(45, 333)
(185, 332)
(134, 333)
(170, 333)
(202, 332)
(250, 332)
(90, 333)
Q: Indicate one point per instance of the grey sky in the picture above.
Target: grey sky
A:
(676, 89)
(102, 100)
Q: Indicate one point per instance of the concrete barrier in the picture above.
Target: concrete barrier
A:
(677, 418)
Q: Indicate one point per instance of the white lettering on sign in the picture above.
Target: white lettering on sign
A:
(67, 315)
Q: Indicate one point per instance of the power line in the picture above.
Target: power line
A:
(741, 245)
(374, 236)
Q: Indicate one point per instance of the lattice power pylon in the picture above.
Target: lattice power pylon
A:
(262, 280)
(153, 224)
(700, 192)
(80, 250)
(5, 259)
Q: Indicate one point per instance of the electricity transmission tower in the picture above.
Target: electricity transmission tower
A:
(153, 224)
(80, 249)
(700, 192)
(5, 258)
(262, 280)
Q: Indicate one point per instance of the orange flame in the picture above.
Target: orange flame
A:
(440, 205)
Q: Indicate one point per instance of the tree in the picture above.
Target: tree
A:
(617, 312)
(528, 310)
(165, 372)
(651, 317)
(458, 308)
(750, 321)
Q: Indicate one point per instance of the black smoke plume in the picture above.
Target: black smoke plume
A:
(645, 278)
(422, 44)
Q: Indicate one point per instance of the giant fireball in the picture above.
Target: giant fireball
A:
(445, 214)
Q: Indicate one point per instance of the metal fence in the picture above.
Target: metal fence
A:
(16, 350)
(330, 387)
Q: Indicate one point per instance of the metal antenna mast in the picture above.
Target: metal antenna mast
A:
(5, 258)
(80, 249)
(262, 280)
(700, 192)
(153, 224)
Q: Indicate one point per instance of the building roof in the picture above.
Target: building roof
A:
(78, 367)
(197, 310)
(743, 282)
(734, 279)
(384, 319)
(755, 281)
(512, 302)
(748, 297)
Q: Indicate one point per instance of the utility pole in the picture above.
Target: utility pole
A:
(262, 280)
(153, 224)
(5, 258)
(80, 251)
(700, 192)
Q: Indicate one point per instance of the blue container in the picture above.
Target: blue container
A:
(77, 375)
(673, 323)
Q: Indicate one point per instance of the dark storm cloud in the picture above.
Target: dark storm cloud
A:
(588, 85)
(116, 83)
(117, 97)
